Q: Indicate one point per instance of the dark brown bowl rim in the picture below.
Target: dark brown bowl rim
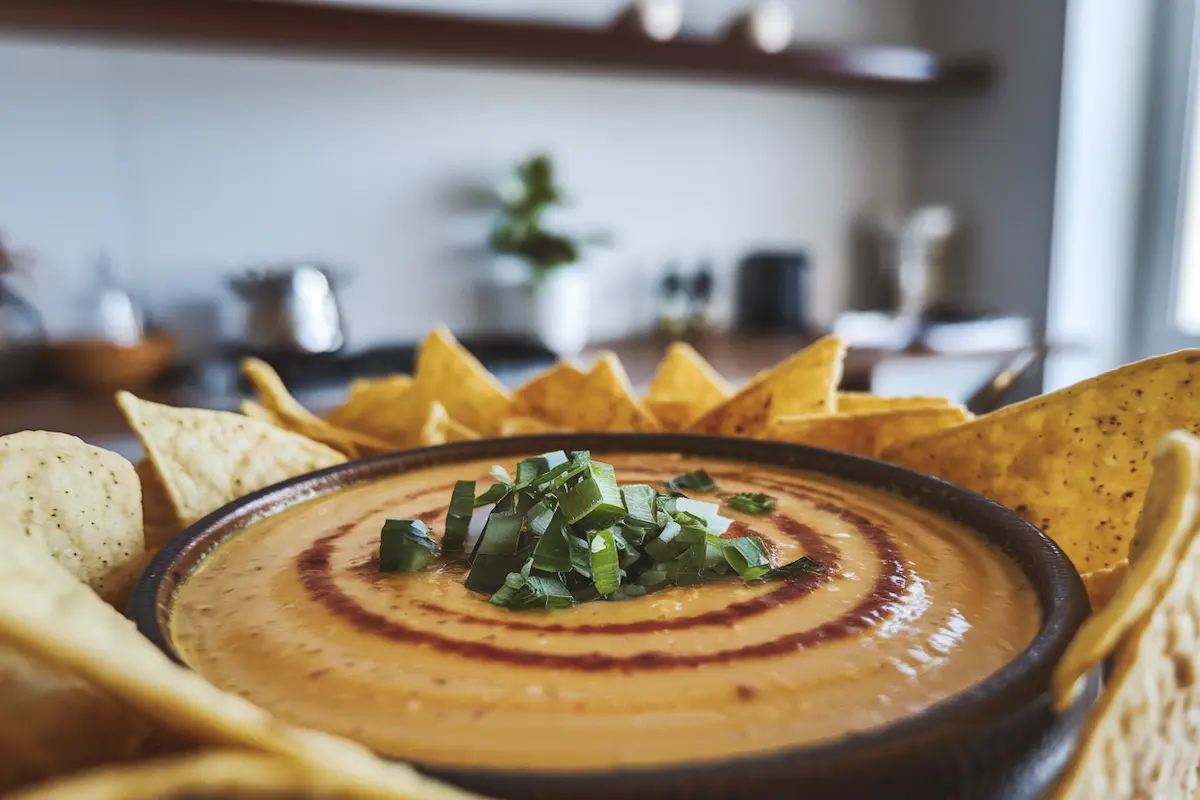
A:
(1023, 681)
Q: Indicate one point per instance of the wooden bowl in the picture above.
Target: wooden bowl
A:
(999, 739)
(98, 364)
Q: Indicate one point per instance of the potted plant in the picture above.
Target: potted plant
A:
(539, 269)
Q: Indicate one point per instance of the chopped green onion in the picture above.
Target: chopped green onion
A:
(581, 556)
(709, 512)
(595, 502)
(520, 592)
(639, 504)
(684, 518)
(405, 545)
(606, 568)
(458, 516)
(552, 553)
(532, 470)
(496, 553)
(665, 548)
(654, 578)
(801, 566)
(748, 556)
(751, 503)
(494, 494)
(630, 591)
(500, 475)
(696, 481)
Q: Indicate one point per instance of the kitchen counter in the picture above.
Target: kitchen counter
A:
(95, 417)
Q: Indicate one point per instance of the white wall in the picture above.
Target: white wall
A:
(187, 165)
(993, 158)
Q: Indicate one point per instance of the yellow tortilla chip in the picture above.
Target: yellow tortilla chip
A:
(806, 383)
(457, 432)
(253, 410)
(684, 387)
(447, 373)
(160, 523)
(525, 426)
(1141, 735)
(864, 433)
(1102, 584)
(206, 459)
(47, 615)
(865, 401)
(216, 775)
(365, 393)
(601, 399)
(290, 414)
(81, 504)
(550, 395)
(1073, 462)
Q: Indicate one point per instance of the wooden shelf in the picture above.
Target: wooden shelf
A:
(359, 31)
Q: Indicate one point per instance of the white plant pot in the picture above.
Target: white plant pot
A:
(554, 308)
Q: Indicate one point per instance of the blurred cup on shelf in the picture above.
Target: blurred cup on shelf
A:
(767, 26)
(660, 20)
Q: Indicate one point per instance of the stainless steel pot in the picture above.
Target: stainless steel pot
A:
(291, 309)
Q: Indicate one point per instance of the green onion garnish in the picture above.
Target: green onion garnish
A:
(801, 566)
(751, 503)
(595, 502)
(695, 481)
(458, 516)
(605, 560)
(552, 553)
(497, 552)
(405, 545)
(748, 556)
(520, 592)
(563, 531)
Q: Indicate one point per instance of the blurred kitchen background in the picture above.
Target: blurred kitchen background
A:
(957, 187)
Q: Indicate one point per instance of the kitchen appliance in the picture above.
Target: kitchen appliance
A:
(773, 289)
(291, 308)
(909, 275)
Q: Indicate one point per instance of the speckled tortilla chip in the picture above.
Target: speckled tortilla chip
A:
(446, 372)
(49, 617)
(600, 399)
(684, 387)
(864, 433)
(214, 775)
(81, 504)
(864, 401)
(291, 415)
(1074, 462)
(806, 383)
(1141, 735)
(206, 459)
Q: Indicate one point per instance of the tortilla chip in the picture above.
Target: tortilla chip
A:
(447, 373)
(253, 410)
(457, 432)
(806, 383)
(206, 459)
(364, 392)
(684, 387)
(865, 401)
(864, 433)
(600, 399)
(1102, 584)
(290, 414)
(1074, 462)
(159, 521)
(53, 722)
(526, 426)
(47, 615)
(551, 395)
(1142, 733)
(81, 504)
(212, 774)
